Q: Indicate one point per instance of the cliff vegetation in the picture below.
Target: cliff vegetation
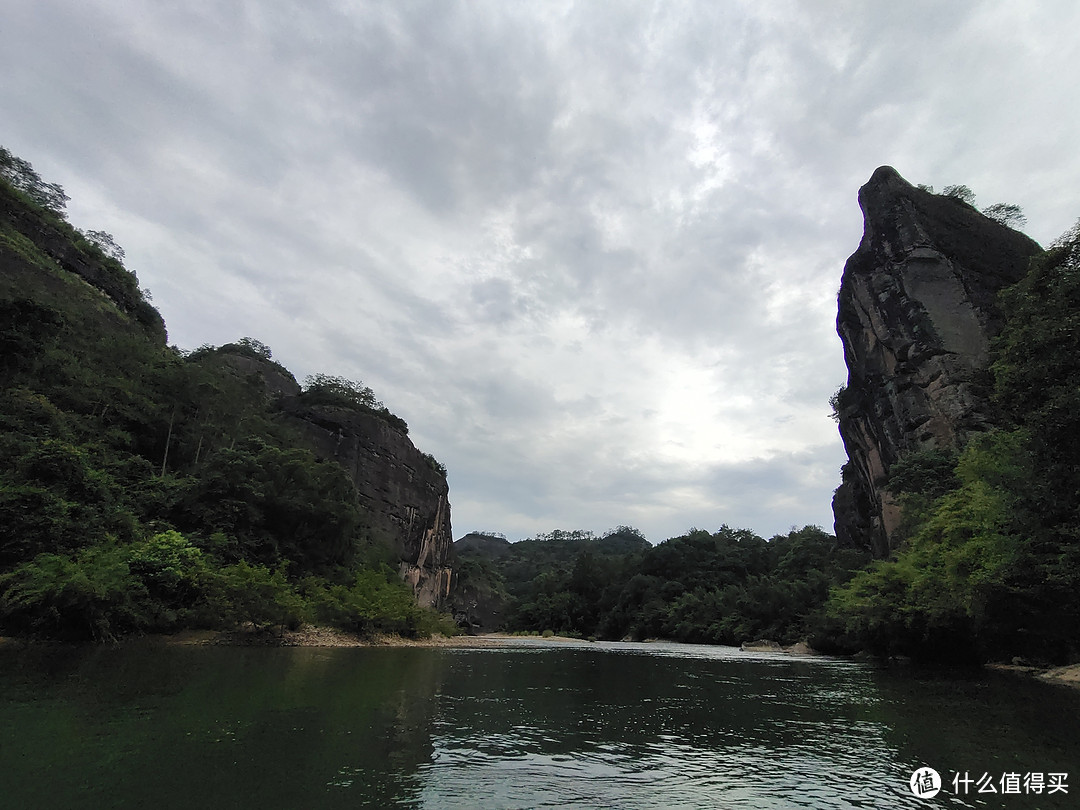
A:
(144, 489)
(977, 523)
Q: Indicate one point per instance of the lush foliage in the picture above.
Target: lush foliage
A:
(144, 489)
(1008, 214)
(168, 582)
(20, 175)
(990, 566)
(339, 392)
(724, 587)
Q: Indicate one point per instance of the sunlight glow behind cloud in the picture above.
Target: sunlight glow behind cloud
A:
(588, 251)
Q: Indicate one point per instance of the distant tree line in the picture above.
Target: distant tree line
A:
(722, 587)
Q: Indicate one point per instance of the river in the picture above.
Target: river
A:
(529, 723)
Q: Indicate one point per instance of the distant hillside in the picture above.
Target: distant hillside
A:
(482, 545)
(725, 587)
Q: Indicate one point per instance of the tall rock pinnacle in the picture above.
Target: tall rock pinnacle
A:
(916, 313)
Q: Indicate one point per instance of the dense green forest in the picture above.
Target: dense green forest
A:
(147, 489)
(989, 567)
(724, 587)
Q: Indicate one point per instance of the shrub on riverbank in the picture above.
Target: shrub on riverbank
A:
(167, 583)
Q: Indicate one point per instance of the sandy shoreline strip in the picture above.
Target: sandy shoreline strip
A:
(311, 636)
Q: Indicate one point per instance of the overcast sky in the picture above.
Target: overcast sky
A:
(589, 251)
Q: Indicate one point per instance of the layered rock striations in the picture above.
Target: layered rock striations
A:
(916, 313)
(403, 494)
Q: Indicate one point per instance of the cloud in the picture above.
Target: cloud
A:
(589, 252)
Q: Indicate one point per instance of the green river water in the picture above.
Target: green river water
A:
(526, 724)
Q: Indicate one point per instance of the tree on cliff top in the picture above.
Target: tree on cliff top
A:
(1008, 214)
(960, 192)
(20, 174)
(339, 391)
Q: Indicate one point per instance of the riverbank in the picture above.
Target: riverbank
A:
(308, 636)
(1066, 676)
(313, 636)
(1062, 676)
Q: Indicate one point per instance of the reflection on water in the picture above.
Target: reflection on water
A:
(655, 726)
(531, 724)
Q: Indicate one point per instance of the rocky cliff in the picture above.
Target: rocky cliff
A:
(916, 313)
(402, 492)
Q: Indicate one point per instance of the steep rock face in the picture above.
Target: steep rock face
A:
(404, 497)
(916, 313)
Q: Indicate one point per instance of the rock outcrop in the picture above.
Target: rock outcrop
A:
(916, 314)
(403, 494)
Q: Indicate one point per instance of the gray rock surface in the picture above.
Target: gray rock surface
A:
(404, 497)
(916, 314)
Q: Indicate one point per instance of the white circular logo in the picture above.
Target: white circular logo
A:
(925, 783)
